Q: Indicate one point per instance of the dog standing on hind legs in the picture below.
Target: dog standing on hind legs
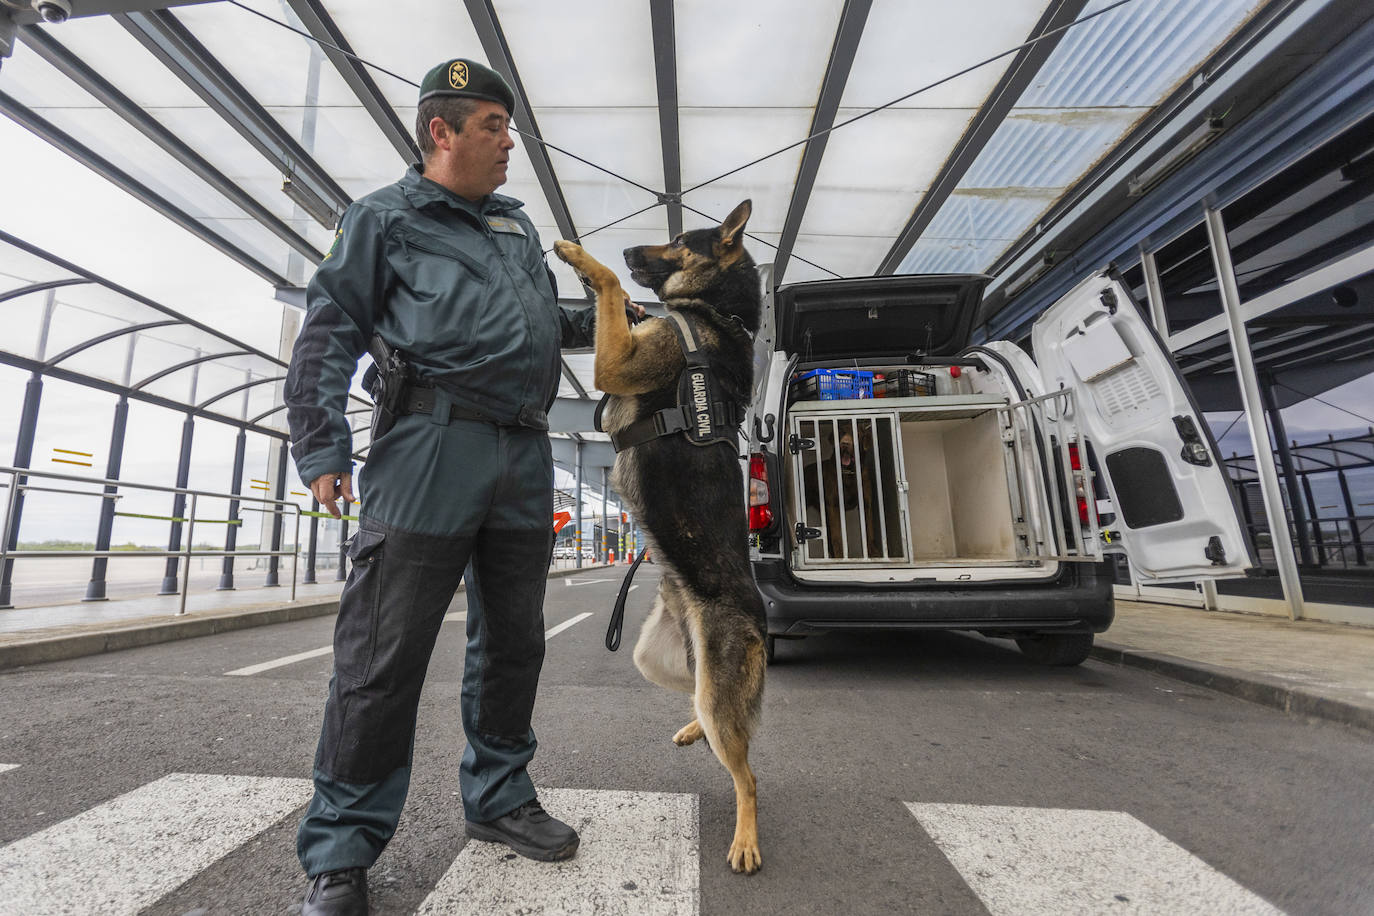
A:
(705, 634)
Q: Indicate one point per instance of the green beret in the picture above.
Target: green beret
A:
(469, 79)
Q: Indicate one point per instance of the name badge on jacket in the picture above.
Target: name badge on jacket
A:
(501, 224)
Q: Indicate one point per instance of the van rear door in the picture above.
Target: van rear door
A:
(1175, 508)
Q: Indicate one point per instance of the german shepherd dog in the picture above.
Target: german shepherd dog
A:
(705, 634)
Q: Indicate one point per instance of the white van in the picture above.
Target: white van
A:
(900, 477)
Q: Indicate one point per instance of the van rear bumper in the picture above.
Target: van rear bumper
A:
(1078, 600)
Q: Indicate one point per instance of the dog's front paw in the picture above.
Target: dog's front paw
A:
(689, 733)
(588, 268)
(744, 856)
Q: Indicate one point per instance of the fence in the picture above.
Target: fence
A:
(18, 484)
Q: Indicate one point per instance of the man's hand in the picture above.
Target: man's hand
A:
(633, 310)
(329, 487)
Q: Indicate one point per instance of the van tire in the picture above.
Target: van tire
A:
(1056, 649)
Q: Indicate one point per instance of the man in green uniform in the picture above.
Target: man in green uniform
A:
(451, 275)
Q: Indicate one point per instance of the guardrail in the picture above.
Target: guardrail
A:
(18, 482)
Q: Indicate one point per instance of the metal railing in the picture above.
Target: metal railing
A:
(16, 485)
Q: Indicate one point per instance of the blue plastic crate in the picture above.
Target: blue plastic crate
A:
(834, 384)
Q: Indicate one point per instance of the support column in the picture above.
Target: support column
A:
(1350, 514)
(95, 589)
(23, 455)
(169, 579)
(577, 492)
(1252, 401)
(274, 563)
(1154, 292)
(1290, 477)
(605, 518)
(1314, 519)
(231, 535)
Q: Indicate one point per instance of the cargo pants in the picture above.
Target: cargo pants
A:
(476, 501)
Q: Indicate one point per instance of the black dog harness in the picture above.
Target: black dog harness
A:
(701, 414)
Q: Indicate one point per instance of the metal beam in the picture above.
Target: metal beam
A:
(665, 76)
(1019, 74)
(1100, 224)
(498, 54)
(318, 22)
(64, 60)
(1254, 414)
(178, 50)
(595, 454)
(97, 163)
(572, 415)
(83, 8)
(847, 35)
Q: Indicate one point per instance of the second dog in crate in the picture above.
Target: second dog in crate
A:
(851, 476)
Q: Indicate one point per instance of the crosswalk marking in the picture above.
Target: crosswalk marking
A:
(123, 855)
(1049, 860)
(554, 631)
(638, 854)
(8, 766)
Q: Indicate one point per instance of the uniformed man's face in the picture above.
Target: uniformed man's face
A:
(480, 153)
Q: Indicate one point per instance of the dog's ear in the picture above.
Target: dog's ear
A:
(733, 227)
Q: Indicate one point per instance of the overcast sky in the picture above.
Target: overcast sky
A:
(51, 201)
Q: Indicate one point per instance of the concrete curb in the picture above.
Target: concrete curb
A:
(93, 639)
(1257, 688)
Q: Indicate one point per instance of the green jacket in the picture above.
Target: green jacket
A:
(462, 289)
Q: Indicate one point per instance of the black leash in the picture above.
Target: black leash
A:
(618, 615)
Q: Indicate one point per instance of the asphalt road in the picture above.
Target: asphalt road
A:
(908, 773)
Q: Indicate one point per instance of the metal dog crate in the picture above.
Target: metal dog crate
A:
(948, 480)
(863, 520)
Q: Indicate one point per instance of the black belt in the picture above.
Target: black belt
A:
(421, 400)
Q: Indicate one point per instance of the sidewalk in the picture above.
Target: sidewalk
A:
(30, 636)
(1321, 670)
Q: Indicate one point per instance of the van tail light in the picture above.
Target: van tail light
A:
(760, 510)
(1076, 463)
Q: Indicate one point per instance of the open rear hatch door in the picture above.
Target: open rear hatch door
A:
(1175, 508)
(873, 318)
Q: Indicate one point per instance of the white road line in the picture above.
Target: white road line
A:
(638, 855)
(125, 854)
(554, 631)
(8, 766)
(279, 662)
(1051, 861)
(570, 582)
(313, 653)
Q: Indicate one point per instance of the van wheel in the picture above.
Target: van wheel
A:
(1057, 649)
(770, 648)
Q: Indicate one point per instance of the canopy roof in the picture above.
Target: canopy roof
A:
(941, 133)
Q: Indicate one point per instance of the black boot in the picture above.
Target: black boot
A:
(337, 893)
(530, 831)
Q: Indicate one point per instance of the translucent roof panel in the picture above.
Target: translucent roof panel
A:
(876, 169)
(1106, 75)
(749, 79)
(32, 80)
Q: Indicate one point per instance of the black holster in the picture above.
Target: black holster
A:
(388, 380)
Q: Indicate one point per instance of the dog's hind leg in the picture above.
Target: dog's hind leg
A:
(661, 650)
(688, 734)
(730, 667)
